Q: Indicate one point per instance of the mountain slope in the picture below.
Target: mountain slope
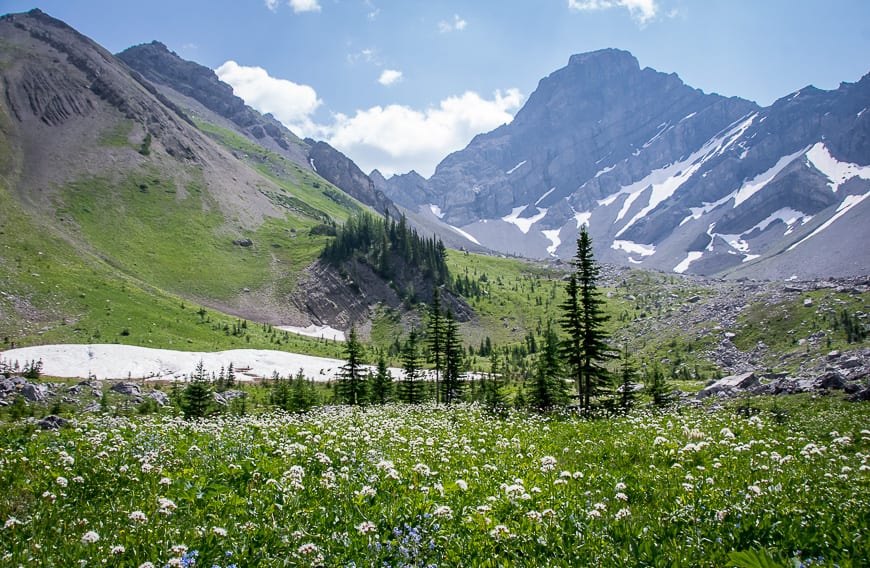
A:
(105, 184)
(664, 175)
(199, 90)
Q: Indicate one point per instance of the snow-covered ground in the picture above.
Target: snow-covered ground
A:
(127, 361)
(321, 331)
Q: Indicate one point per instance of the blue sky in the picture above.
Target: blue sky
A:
(399, 84)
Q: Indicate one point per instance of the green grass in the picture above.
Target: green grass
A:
(792, 329)
(305, 191)
(444, 486)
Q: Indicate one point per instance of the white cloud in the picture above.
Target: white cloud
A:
(457, 25)
(397, 139)
(272, 4)
(641, 10)
(304, 5)
(289, 102)
(390, 76)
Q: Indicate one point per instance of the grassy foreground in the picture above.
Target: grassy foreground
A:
(426, 486)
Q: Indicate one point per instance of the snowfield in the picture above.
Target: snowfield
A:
(131, 362)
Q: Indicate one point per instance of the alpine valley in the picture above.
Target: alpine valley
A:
(142, 202)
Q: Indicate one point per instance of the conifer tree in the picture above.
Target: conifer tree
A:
(436, 339)
(411, 386)
(493, 386)
(548, 388)
(454, 360)
(303, 395)
(381, 382)
(627, 378)
(197, 395)
(350, 388)
(657, 386)
(586, 348)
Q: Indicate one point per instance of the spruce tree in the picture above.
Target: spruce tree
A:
(657, 386)
(436, 339)
(197, 395)
(627, 378)
(410, 388)
(493, 386)
(350, 388)
(586, 347)
(454, 360)
(381, 383)
(302, 395)
(548, 388)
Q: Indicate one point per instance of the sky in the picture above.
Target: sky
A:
(397, 85)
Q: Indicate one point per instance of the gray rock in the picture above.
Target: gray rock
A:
(728, 384)
(224, 398)
(34, 392)
(160, 397)
(831, 380)
(129, 389)
(94, 407)
(52, 422)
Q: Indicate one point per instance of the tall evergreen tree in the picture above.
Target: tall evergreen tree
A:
(454, 360)
(410, 388)
(197, 395)
(586, 347)
(381, 383)
(493, 386)
(548, 388)
(351, 387)
(436, 339)
(657, 386)
(627, 378)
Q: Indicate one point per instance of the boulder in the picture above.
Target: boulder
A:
(831, 380)
(34, 392)
(729, 384)
(52, 422)
(129, 389)
(224, 398)
(160, 397)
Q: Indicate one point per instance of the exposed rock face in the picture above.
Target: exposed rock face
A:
(664, 175)
(342, 172)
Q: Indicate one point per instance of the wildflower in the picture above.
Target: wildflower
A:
(61, 480)
(308, 549)
(621, 496)
(166, 505)
(534, 516)
(548, 463)
(620, 486)
(444, 512)
(422, 469)
(219, 531)
(164, 481)
(500, 531)
(118, 549)
(78, 479)
(366, 527)
(462, 485)
(90, 537)
(366, 491)
(11, 522)
(755, 489)
(622, 513)
(146, 565)
(138, 517)
(178, 549)
(593, 514)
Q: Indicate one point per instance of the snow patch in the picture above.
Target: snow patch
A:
(323, 331)
(582, 218)
(551, 190)
(847, 204)
(436, 211)
(524, 223)
(553, 237)
(634, 248)
(836, 171)
(756, 184)
(515, 168)
(690, 258)
(605, 170)
(468, 236)
(749, 257)
(128, 361)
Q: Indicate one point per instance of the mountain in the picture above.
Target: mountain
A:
(664, 176)
(124, 202)
(198, 89)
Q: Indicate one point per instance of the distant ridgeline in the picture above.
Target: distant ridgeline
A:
(394, 251)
